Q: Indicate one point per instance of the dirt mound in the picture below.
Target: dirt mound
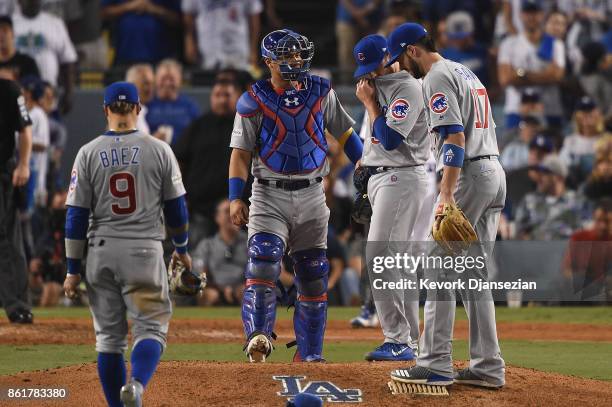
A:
(242, 384)
(80, 331)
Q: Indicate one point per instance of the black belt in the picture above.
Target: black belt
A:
(481, 157)
(378, 170)
(290, 185)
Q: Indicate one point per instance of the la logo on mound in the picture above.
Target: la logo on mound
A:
(438, 103)
(327, 391)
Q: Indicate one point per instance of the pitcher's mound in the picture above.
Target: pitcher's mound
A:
(242, 384)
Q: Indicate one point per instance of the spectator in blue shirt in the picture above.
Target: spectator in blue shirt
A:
(463, 48)
(143, 29)
(170, 112)
(434, 11)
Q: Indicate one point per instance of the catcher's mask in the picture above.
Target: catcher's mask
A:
(292, 52)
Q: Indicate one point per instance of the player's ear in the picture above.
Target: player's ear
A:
(138, 109)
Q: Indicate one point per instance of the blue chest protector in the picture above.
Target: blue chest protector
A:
(292, 136)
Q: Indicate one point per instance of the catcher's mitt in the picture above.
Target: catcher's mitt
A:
(451, 229)
(362, 209)
(182, 281)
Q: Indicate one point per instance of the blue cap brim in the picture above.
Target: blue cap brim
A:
(393, 59)
(366, 69)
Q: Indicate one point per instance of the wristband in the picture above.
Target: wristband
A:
(452, 155)
(236, 188)
(73, 266)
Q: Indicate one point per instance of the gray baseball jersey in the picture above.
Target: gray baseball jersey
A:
(455, 96)
(400, 98)
(246, 131)
(124, 179)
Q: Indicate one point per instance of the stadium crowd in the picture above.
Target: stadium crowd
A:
(547, 65)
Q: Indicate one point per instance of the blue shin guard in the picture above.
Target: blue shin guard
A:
(311, 274)
(259, 299)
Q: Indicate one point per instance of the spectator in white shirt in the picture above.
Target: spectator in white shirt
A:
(224, 33)
(142, 76)
(578, 151)
(45, 38)
(532, 59)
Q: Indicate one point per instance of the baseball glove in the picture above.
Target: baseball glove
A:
(451, 229)
(184, 282)
(362, 209)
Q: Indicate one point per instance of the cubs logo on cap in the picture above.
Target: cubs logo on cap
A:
(438, 103)
(400, 109)
(360, 56)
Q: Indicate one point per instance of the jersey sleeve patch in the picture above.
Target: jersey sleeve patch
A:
(438, 103)
(399, 109)
(74, 178)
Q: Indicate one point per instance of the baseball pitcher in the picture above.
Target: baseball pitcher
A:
(120, 184)
(280, 125)
(460, 117)
(394, 155)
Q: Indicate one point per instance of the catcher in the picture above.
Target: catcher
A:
(119, 185)
(460, 115)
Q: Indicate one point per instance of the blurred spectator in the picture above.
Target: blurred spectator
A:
(58, 8)
(589, 255)
(202, 152)
(532, 59)
(596, 75)
(47, 267)
(522, 181)
(578, 151)
(170, 112)
(84, 23)
(44, 37)
(511, 11)
(142, 76)
(21, 64)
(336, 255)
(354, 19)
(225, 33)
(599, 183)
(58, 136)
(516, 153)
(142, 29)
(552, 212)
(530, 106)
(463, 48)
(34, 91)
(481, 11)
(590, 20)
(556, 25)
(224, 258)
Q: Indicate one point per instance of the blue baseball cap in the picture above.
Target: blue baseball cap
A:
(531, 5)
(369, 53)
(542, 142)
(121, 92)
(405, 34)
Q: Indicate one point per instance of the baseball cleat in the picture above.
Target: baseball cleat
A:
(391, 352)
(466, 376)
(309, 358)
(131, 394)
(366, 319)
(258, 348)
(420, 375)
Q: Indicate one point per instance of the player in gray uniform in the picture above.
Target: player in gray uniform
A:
(119, 184)
(394, 153)
(460, 117)
(280, 125)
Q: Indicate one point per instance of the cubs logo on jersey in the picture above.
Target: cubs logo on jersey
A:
(400, 109)
(438, 103)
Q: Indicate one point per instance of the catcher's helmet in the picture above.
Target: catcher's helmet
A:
(280, 45)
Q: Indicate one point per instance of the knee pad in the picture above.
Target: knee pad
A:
(263, 269)
(311, 273)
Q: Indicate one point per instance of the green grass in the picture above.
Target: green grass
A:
(585, 359)
(576, 315)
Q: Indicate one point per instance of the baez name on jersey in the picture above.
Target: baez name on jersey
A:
(119, 157)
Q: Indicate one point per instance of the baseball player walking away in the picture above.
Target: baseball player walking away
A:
(280, 125)
(459, 115)
(122, 181)
(394, 155)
